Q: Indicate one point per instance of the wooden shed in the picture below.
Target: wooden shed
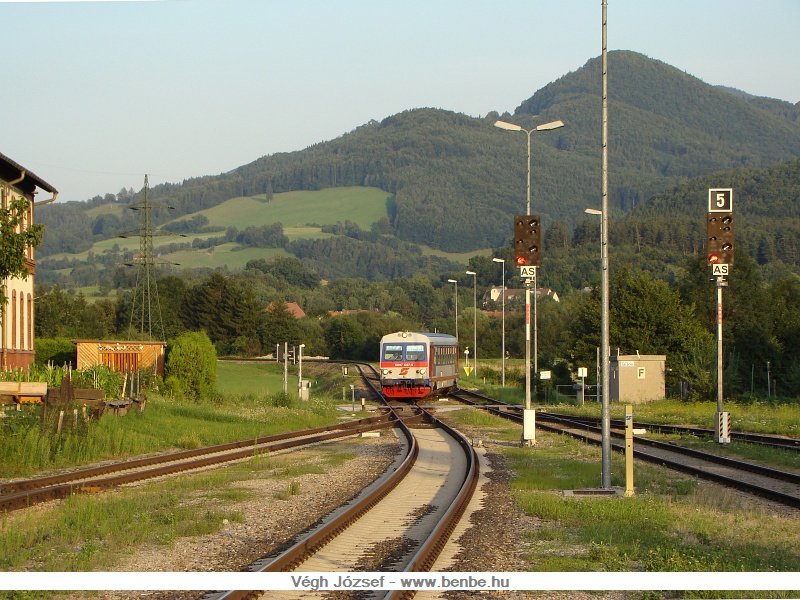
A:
(122, 356)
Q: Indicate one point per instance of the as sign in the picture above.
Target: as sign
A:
(720, 270)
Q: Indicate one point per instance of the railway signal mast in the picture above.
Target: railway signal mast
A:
(528, 272)
(527, 256)
(720, 245)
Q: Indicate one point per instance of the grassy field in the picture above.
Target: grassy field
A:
(251, 404)
(674, 523)
(361, 205)
(301, 213)
(91, 533)
(247, 377)
(761, 417)
(228, 255)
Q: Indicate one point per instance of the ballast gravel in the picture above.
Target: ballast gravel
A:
(492, 541)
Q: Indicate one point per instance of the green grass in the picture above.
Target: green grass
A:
(228, 255)
(236, 378)
(361, 205)
(248, 408)
(672, 524)
(458, 257)
(301, 213)
(761, 417)
(89, 533)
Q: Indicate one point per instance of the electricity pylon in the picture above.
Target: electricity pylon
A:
(145, 308)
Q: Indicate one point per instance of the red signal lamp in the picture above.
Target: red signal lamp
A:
(520, 261)
(713, 258)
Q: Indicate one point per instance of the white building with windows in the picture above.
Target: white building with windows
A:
(16, 323)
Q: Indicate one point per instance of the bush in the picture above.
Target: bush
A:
(192, 361)
(58, 351)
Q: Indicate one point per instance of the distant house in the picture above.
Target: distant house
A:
(348, 311)
(292, 307)
(496, 293)
(16, 325)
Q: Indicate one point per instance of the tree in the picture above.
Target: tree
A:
(646, 316)
(16, 236)
(191, 366)
(278, 326)
(345, 337)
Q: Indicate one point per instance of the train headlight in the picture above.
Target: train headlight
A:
(422, 371)
(385, 371)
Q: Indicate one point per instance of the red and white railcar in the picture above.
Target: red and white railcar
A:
(417, 365)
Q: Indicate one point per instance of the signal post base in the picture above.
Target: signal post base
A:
(529, 427)
(723, 433)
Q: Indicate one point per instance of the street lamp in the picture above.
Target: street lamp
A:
(475, 317)
(543, 127)
(455, 281)
(605, 411)
(503, 295)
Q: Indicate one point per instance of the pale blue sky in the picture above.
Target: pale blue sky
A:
(97, 94)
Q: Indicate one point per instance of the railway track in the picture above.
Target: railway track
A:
(763, 439)
(400, 523)
(23, 493)
(774, 484)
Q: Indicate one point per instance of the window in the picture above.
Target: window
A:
(392, 352)
(21, 321)
(30, 322)
(415, 352)
(14, 319)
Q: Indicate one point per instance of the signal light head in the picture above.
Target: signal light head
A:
(720, 238)
(527, 240)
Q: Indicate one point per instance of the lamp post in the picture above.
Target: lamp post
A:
(605, 415)
(475, 317)
(503, 296)
(529, 132)
(605, 411)
(455, 281)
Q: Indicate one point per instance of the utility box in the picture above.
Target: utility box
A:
(635, 378)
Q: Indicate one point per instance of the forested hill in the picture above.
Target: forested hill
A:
(457, 180)
(766, 205)
(665, 124)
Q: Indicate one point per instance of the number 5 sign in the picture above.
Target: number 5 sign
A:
(720, 200)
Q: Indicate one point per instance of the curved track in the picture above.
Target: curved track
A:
(398, 524)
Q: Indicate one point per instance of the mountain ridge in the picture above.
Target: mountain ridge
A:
(456, 180)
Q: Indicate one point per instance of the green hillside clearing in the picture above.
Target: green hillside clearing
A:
(361, 205)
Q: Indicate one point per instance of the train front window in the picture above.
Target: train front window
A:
(393, 352)
(415, 352)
